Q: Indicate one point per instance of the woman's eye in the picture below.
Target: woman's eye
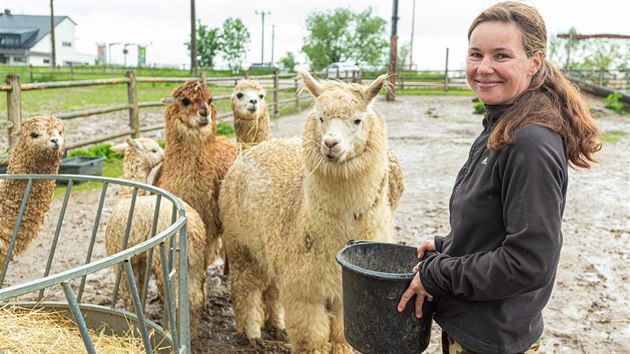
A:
(185, 102)
(239, 95)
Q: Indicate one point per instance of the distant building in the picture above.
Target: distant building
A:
(25, 39)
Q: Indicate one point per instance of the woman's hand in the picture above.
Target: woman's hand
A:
(415, 288)
(428, 245)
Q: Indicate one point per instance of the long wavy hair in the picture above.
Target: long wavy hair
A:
(551, 100)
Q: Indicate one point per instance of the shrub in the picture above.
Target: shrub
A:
(479, 107)
(612, 101)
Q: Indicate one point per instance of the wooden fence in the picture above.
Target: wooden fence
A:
(14, 88)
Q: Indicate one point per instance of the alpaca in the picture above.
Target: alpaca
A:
(141, 155)
(39, 150)
(289, 205)
(251, 118)
(195, 158)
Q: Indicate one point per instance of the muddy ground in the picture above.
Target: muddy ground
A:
(589, 311)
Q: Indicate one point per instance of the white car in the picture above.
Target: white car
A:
(342, 70)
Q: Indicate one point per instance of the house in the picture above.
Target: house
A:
(26, 39)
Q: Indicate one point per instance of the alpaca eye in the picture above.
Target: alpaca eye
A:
(185, 102)
(321, 119)
(34, 135)
(210, 101)
(357, 121)
(154, 150)
(239, 95)
(261, 96)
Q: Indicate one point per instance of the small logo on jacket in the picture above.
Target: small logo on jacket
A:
(484, 161)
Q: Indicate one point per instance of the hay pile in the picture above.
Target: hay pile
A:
(25, 330)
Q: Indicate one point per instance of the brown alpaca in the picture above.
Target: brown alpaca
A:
(39, 150)
(195, 158)
(251, 117)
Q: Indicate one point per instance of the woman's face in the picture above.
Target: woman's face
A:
(497, 67)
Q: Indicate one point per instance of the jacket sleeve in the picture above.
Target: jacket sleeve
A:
(533, 188)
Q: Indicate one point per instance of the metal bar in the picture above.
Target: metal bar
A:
(53, 247)
(136, 302)
(184, 311)
(169, 302)
(78, 318)
(124, 244)
(16, 228)
(93, 237)
(145, 282)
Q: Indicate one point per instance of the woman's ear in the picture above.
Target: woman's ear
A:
(537, 60)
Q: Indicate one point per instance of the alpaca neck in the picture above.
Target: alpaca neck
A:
(137, 174)
(252, 131)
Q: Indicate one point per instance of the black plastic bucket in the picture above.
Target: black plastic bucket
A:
(374, 277)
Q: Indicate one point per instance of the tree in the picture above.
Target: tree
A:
(234, 40)
(208, 45)
(343, 35)
(289, 61)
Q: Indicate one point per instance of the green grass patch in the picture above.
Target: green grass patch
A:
(612, 136)
(435, 92)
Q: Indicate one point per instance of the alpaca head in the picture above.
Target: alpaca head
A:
(248, 98)
(41, 139)
(341, 126)
(190, 105)
(141, 155)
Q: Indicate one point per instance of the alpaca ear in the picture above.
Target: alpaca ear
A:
(119, 148)
(168, 100)
(375, 87)
(134, 144)
(306, 80)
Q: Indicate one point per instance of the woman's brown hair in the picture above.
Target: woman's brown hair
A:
(551, 100)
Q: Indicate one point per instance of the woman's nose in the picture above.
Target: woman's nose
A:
(485, 66)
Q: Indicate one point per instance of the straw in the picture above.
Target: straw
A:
(40, 330)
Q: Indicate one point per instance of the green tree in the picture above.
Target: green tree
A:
(208, 45)
(289, 61)
(234, 40)
(343, 35)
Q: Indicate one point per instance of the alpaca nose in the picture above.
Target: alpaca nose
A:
(55, 141)
(203, 111)
(253, 101)
(330, 142)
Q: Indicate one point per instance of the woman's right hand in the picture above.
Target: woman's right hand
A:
(428, 245)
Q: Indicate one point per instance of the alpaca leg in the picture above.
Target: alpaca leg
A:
(308, 326)
(274, 312)
(337, 338)
(248, 279)
(197, 296)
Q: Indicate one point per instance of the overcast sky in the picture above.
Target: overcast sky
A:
(164, 25)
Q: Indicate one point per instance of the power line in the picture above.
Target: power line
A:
(262, 50)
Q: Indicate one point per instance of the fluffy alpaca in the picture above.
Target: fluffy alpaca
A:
(251, 118)
(288, 206)
(140, 156)
(195, 158)
(39, 150)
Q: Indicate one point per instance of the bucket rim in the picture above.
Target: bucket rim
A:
(367, 272)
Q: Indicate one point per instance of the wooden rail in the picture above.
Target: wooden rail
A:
(13, 88)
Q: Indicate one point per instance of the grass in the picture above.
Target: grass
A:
(612, 136)
(435, 92)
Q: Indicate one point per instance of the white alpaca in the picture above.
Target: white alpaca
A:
(251, 116)
(288, 206)
(140, 157)
(39, 150)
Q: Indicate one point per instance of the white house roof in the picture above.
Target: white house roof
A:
(24, 31)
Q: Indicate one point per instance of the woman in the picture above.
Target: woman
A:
(495, 270)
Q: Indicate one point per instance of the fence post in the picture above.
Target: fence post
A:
(276, 86)
(202, 77)
(30, 72)
(132, 95)
(446, 74)
(153, 75)
(14, 107)
(71, 72)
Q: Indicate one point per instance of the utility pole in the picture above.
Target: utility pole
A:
(262, 50)
(413, 22)
(193, 38)
(53, 62)
(392, 54)
(273, 36)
